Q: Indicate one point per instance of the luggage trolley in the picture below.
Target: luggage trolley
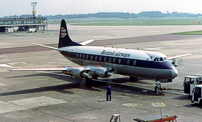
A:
(158, 118)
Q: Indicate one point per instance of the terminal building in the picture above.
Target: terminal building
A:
(23, 23)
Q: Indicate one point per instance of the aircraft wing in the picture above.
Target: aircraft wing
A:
(40, 69)
(173, 59)
(78, 71)
(178, 56)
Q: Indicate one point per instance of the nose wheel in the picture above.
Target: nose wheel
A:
(158, 88)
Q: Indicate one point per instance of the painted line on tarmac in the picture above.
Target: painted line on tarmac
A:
(2, 84)
(130, 104)
(158, 104)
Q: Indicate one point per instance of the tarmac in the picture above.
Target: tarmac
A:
(54, 97)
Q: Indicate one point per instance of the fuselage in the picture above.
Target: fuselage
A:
(128, 62)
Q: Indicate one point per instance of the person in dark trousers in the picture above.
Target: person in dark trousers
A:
(108, 94)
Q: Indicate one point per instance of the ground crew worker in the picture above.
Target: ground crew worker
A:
(108, 94)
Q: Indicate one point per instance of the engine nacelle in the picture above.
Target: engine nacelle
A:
(75, 72)
(99, 72)
(66, 72)
(86, 72)
(79, 73)
(103, 73)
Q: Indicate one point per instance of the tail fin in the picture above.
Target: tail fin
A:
(64, 39)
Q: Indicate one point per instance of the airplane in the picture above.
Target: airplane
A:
(105, 61)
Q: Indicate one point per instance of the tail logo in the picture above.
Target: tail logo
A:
(63, 32)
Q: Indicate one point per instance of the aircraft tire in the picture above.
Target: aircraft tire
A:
(169, 80)
(200, 103)
(155, 88)
(88, 82)
(133, 78)
(95, 77)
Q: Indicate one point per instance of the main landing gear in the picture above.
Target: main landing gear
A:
(158, 88)
(86, 82)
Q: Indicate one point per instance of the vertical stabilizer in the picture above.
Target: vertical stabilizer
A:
(64, 39)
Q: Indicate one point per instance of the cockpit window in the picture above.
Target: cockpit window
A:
(160, 59)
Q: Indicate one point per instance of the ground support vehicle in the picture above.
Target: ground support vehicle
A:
(115, 118)
(197, 95)
(190, 82)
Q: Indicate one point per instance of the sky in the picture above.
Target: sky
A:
(63, 7)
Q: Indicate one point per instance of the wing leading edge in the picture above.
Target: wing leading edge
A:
(78, 71)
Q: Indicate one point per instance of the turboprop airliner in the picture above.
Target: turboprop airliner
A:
(103, 62)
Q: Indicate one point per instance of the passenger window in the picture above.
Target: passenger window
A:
(80, 56)
(128, 62)
(161, 59)
(77, 55)
(114, 60)
(110, 59)
(134, 62)
(83, 56)
(87, 57)
(95, 58)
(91, 58)
(105, 59)
(100, 58)
(119, 61)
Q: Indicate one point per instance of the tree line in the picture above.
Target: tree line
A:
(150, 14)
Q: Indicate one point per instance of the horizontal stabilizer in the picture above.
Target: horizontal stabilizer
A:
(86, 42)
(53, 48)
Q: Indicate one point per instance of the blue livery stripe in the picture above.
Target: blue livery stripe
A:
(118, 60)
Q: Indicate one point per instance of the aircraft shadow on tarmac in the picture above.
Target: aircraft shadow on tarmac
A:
(126, 79)
(183, 97)
(193, 105)
(59, 88)
(188, 98)
(75, 83)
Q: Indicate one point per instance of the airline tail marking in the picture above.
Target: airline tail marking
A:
(63, 32)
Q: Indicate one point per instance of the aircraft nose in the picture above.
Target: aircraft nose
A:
(174, 72)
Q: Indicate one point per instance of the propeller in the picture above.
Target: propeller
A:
(109, 78)
(177, 63)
